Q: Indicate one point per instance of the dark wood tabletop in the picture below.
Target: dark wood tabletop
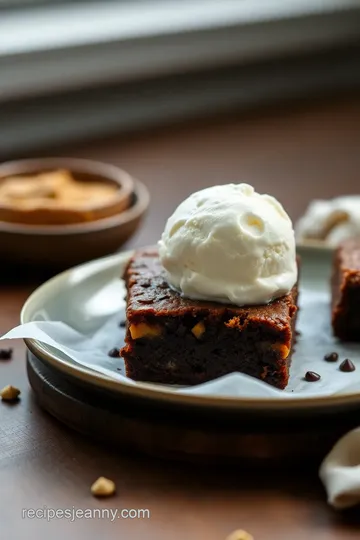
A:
(296, 153)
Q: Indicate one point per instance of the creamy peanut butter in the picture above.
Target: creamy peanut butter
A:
(53, 190)
(53, 197)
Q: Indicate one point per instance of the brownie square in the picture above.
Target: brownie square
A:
(175, 340)
(346, 291)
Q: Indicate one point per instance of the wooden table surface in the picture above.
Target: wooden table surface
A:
(295, 153)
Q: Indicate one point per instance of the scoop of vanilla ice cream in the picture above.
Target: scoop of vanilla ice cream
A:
(230, 244)
(331, 220)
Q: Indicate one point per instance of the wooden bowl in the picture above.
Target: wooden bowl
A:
(61, 246)
(84, 172)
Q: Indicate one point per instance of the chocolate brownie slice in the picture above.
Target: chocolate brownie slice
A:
(346, 291)
(175, 340)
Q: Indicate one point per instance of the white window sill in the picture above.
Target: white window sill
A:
(63, 47)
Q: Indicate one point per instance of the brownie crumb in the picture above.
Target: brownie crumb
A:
(6, 354)
(347, 366)
(311, 376)
(122, 324)
(331, 357)
(114, 353)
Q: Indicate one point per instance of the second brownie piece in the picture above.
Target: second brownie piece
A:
(174, 340)
(346, 291)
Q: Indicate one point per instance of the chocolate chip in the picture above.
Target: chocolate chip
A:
(331, 357)
(297, 333)
(6, 354)
(347, 366)
(146, 301)
(122, 324)
(311, 376)
(145, 284)
(163, 297)
(163, 285)
(114, 353)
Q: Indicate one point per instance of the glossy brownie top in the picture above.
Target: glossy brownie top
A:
(150, 294)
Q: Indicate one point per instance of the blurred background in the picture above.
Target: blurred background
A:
(75, 70)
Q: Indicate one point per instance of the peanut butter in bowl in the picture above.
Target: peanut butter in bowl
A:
(58, 212)
(59, 197)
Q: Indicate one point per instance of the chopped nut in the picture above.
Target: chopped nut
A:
(103, 487)
(282, 349)
(144, 330)
(9, 393)
(198, 329)
(237, 322)
(240, 535)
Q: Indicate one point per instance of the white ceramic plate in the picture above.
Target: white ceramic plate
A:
(68, 297)
(317, 244)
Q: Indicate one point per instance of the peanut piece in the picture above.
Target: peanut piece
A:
(103, 487)
(282, 349)
(240, 535)
(9, 393)
(236, 322)
(144, 330)
(198, 329)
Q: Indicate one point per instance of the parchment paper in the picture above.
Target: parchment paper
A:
(314, 341)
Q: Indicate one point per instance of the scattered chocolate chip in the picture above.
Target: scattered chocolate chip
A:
(6, 354)
(163, 285)
(331, 357)
(347, 366)
(297, 333)
(122, 324)
(114, 353)
(311, 376)
(146, 283)
(146, 301)
(163, 297)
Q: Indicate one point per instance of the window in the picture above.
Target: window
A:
(49, 47)
(53, 44)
